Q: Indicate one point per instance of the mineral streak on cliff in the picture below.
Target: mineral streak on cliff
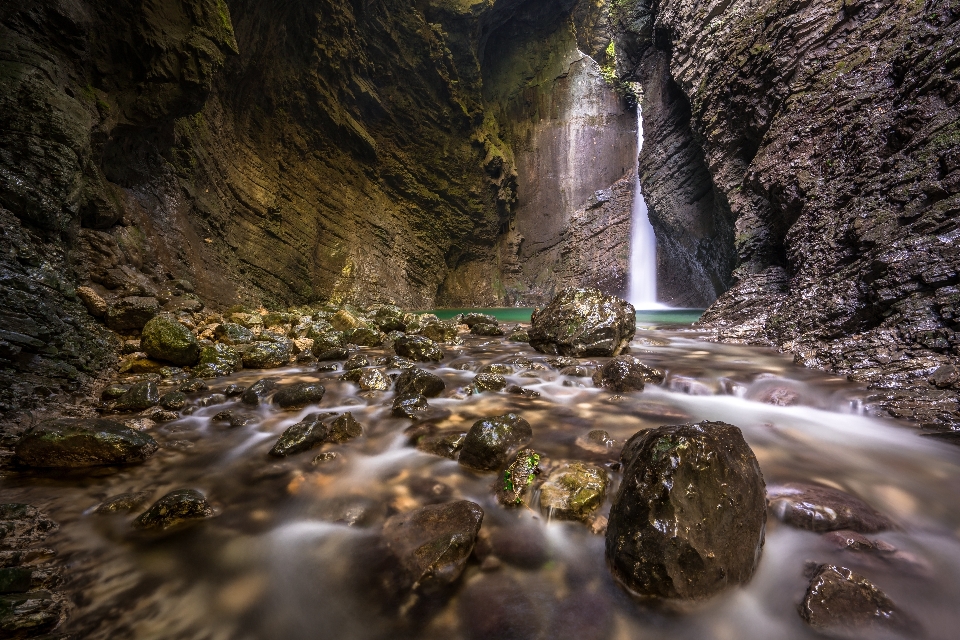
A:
(829, 132)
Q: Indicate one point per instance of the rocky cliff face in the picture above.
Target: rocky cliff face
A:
(828, 131)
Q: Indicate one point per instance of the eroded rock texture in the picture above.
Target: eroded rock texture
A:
(829, 133)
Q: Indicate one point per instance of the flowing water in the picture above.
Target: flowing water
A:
(642, 292)
(293, 550)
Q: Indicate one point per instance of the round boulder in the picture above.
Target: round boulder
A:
(296, 396)
(415, 380)
(583, 322)
(688, 519)
(163, 338)
(491, 442)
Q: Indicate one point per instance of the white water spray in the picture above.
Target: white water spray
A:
(642, 292)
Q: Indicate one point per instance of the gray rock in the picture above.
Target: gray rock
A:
(433, 544)
(132, 313)
(296, 396)
(491, 442)
(163, 338)
(176, 509)
(71, 443)
(842, 604)
(140, 396)
(818, 508)
(415, 380)
(626, 373)
(418, 348)
(688, 519)
(583, 322)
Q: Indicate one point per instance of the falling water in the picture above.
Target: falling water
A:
(643, 246)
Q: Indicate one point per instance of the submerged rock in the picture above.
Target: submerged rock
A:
(843, 604)
(415, 380)
(512, 483)
(626, 373)
(70, 443)
(820, 509)
(296, 396)
(497, 606)
(314, 430)
(491, 442)
(418, 348)
(573, 492)
(179, 507)
(140, 396)
(583, 322)
(688, 519)
(433, 544)
(164, 338)
(442, 444)
(123, 503)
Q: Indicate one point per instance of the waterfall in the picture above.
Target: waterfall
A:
(642, 292)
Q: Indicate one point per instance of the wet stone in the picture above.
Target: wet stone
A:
(73, 443)
(626, 373)
(174, 401)
(489, 382)
(140, 396)
(357, 361)
(234, 390)
(259, 390)
(114, 391)
(485, 329)
(562, 362)
(417, 381)
(573, 492)
(326, 368)
(314, 430)
(374, 380)
(363, 337)
(325, 458)
(296, 396)
(177, 508)
(821, 509)
(230, 333)
(496, 369)
(519, 335)
(212, 399)
(389, 318)
(473, 319)
(326, 345)
(398, 362)
(842, 604)
(440, 331)
(432, 544)
(193, 386)
(491, 442)
(337, 353)
(218, 360)
(521, 391)
(442, 444)
(132, 313)
(430, 490)
(688, 519)
(512, 483)
(577, 371)
(123, 503)
(409, 405)
(418, 348)
(164, 338)
(583, 322)
(267, 355)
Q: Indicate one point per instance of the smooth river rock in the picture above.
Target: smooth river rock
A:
(818, 508)
(573, 492)
(179, 507)
(70, 443)
(491, 442)
(415, 380)
(432, 544)
(140, 396)
(164, 338)
(296, 396)
(583, 322)
(418, 348)
(314, 430)
(688, 519)
(625, 373)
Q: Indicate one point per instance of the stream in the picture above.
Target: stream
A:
(293, 550)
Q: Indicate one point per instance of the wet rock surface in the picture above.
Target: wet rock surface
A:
(491, 442)
(417, 381)
(163, 338)
(174, 510)
(625, 373)
(418, 348)
(314, 430)
(688, 519)
(513, 482)
(818, 508)
(433, 544)
(299, 395)
(573, 492)
(583, 322)
(840, 603)
(67, 444)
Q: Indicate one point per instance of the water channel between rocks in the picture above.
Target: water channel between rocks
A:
(292, 552)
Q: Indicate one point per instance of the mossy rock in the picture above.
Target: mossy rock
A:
(139, 397)
(583, 322)
(440, 331)
(418, 348)
(473, 319)
(231, 333)
(389, 318)
(573, 492)
(513, 482)
(218, 360)
(324, 342)
(163, 338)
(489, 382)
(267, 355)
(70, 443)
(487, 330)
(363, 337)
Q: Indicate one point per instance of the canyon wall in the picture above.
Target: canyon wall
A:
(827, 133)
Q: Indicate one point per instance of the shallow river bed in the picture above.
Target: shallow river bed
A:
(293, 550)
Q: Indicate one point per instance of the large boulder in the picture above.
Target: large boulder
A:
(818, 508)
(688, 519)
(583, 322)
(842, 604)
(491, 442)
(432, 544)
(415, 380)
(440, 331)
(164, 338)
(626, 373)
(418, 348)
(389, 318)
(69, 443)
